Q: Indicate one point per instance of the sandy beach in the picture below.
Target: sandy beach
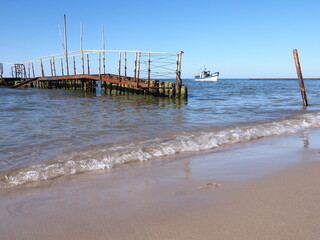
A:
(267, 190)
(152, 120)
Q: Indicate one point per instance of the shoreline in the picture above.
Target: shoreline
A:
(264, 189)
(283, 79)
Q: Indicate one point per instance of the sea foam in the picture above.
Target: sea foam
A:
(109, 157)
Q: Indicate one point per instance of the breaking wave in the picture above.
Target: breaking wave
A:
(108, 157)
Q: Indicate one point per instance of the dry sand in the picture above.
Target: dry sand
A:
(267, 189)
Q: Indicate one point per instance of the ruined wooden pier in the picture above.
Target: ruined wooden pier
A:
(55, 72)
(62, 71)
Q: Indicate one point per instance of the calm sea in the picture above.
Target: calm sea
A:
(50, 133)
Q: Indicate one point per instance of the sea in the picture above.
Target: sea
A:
(49, 133)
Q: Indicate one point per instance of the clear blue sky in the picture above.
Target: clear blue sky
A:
(237, 38)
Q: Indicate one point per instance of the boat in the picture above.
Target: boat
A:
(205, 75)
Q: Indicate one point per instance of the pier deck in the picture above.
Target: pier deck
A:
(88, 83)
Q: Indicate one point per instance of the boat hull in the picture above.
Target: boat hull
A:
(207, 79)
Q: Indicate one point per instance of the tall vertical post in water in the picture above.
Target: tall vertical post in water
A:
(62, 72)
(104, 53)
(300, 78)
(181, 52)
(41, 65)
(149, 67)
(54, 66)
(34, 75)
(99, 64)
(119, 67)
(178, 74)
(66, 43)
(74, 65)
(139, 56)
(24, 71)
(135, 68)
(29, 75)
(125, 64)
(51, 67)
(88, 63)
(81, 46)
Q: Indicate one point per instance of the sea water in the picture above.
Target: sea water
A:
(46, 134)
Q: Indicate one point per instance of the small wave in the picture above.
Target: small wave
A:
(108, 157)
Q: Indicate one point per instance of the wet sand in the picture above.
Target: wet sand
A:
(266, 189)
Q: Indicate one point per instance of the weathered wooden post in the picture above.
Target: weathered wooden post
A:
(104, 51)
(29, 75)
(149, 66)
(54, 67)
(300, 78)
(181, 52)
(178, 75)
(24, 71)
(135, 68)
(104, 62)
(82, 56)
(62, 72)
(88, 63)
(51, 67)
(82, 59)
(125, 64)
(33, 70)
(66, 43)
(119, 67)
(74, 66)
(139, 56)
(41, 65)
(99, 63)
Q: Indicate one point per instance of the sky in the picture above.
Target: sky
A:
(240, 39)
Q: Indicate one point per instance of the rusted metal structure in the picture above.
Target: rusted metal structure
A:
(84, 68)
(18, 71)
(55, 71)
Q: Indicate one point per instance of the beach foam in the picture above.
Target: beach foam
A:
(106, 157)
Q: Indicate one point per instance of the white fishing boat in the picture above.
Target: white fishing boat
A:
(205, 75)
